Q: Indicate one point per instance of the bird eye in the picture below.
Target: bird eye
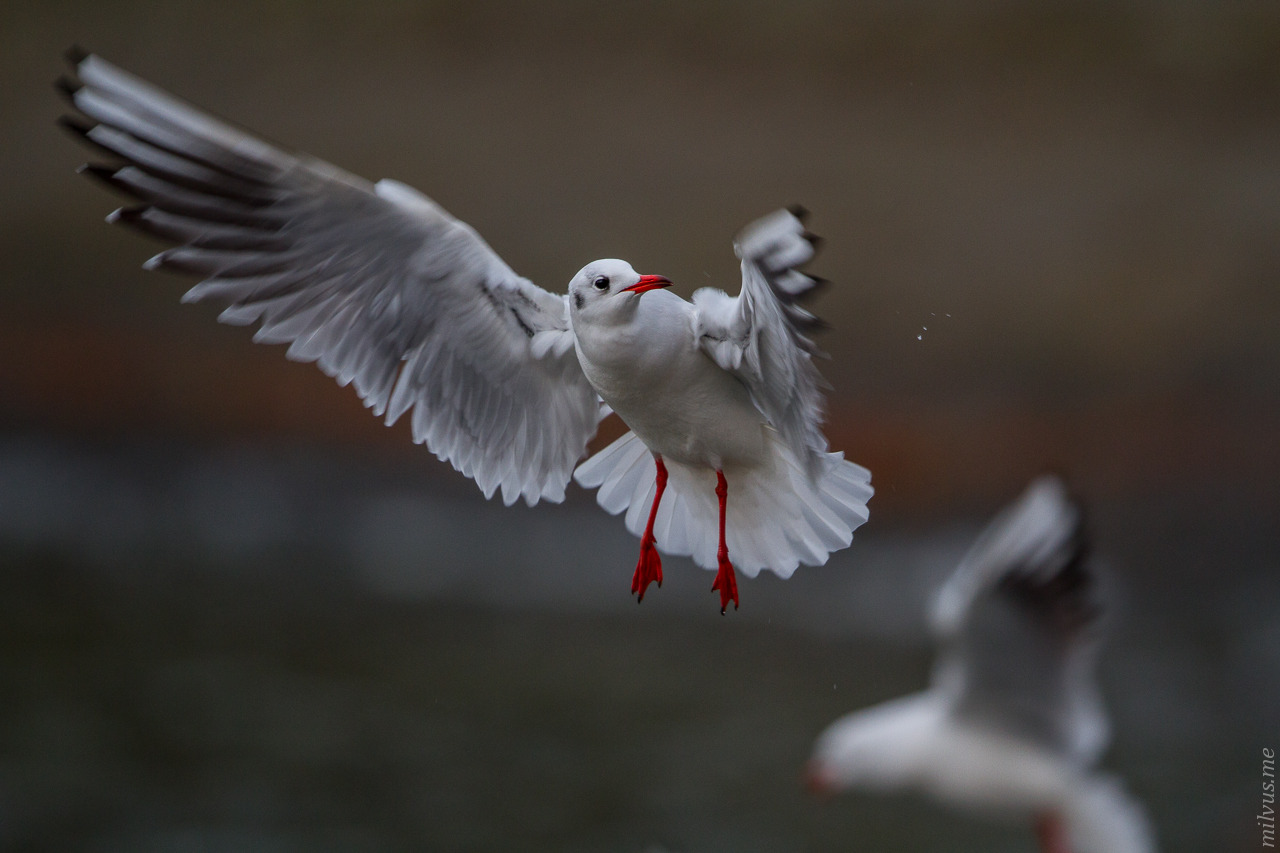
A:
(601, 283)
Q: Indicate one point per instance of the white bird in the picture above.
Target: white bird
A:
(385, 290)
(1012, 724)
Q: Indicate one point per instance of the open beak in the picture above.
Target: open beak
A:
(647, 282)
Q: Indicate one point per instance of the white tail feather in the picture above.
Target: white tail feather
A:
(776, 516)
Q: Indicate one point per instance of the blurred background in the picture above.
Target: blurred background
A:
(237, 613)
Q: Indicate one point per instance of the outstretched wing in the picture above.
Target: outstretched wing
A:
(1020, 621)
(374, 282)
(761, 336)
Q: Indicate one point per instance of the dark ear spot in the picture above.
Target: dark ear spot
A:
(577, 301)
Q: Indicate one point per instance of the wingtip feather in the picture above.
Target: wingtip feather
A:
(67, 87)
(75, 125)
(75, 55)
(103, 174)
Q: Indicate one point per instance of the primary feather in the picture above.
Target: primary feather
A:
(375, 283)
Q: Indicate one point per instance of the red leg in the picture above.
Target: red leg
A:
(649, 568)
(1051, 833)
(726, 580)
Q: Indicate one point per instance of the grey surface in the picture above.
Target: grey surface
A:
(373, 664)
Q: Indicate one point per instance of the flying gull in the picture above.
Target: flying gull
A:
(1012, 723)
(384, 290)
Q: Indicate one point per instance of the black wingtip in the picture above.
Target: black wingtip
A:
(804, 320)
(127, 215)
(819, 284)
(96, 170)
(798, 211)
(75, 54)
(105, 175)
(1073, 596)
(74, 125)
(67, 88)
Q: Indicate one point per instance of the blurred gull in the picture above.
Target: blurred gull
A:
(385, 290)
(1012, 723)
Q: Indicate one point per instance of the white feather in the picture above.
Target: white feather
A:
(772, 521)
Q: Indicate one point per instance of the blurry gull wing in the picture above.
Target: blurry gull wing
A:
(1021, 624)
(374, 282)
(760, 336)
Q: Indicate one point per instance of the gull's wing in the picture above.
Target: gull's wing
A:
(1020, 622)
(374, 282)
(761, 335)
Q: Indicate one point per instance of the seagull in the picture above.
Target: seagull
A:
(1012, 723)
(385, 291)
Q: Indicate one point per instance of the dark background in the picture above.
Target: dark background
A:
(237, 613)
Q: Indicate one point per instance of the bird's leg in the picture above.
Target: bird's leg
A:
(1051, 833)
(649, 568)
(726, 580)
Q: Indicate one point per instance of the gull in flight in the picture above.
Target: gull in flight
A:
(385, 291)
(1012, 723)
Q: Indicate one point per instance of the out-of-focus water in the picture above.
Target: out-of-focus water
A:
(259, 649)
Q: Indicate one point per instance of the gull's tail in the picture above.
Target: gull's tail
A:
(776, 518)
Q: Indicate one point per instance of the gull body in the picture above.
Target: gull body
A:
(640, 354)
(385, 291)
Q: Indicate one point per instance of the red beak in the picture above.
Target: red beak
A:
(818, 782)
(647, 282)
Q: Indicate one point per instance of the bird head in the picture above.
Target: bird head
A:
(842, 758)
(877, 749)
(610, 287)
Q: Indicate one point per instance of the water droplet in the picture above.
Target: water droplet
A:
(919, 337)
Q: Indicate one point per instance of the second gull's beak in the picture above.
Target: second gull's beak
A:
(818, 781)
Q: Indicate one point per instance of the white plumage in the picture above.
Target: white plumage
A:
(386, 291)
(778, 517)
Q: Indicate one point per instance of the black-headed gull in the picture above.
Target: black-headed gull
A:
(1012, 723)
(385, 290)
